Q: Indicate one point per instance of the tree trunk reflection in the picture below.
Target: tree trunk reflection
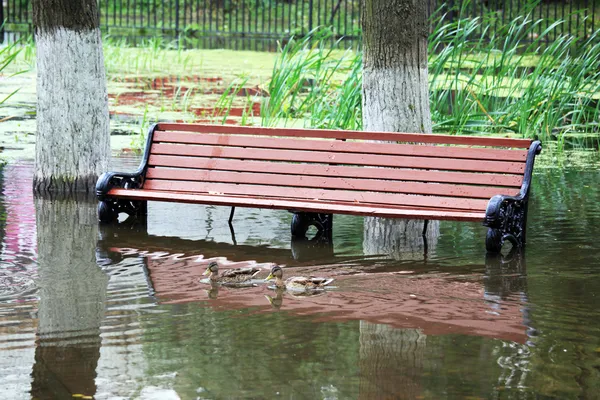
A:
(72, 299)
(400, 239)
(391, 362)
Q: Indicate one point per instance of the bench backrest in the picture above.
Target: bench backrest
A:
(413, 170)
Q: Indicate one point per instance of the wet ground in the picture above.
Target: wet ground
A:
(143, 88)
(119, 312)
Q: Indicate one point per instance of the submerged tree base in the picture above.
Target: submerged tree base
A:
(66, 185)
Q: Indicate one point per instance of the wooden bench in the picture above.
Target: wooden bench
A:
(316, 173)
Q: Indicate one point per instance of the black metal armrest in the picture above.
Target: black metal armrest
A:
(109, 208)
(495, 213)
(506, 216)
(126, 180)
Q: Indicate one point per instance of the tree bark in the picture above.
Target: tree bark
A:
(73, 142)
(396, 99)
(72, 291)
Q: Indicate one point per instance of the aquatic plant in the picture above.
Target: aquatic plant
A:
(517, 82)
(313, 82)
(226, 101)
(8, 55)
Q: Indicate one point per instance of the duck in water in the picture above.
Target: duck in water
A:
(233, 277)
(297, 283)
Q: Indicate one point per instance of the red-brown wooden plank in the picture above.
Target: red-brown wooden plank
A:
(339, 158)
(342, 147)
(349, 135)
(341, 171)
(372, 185)
(317, 194)
(307, 206)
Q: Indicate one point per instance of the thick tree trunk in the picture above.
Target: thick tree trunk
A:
(391, 362)
(72, 143)
(72, 299)
(396, 99)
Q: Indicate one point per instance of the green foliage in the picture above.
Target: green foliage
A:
(8, 54)
(313, 82)
(120, 57)
(226, 101)
(514, 82)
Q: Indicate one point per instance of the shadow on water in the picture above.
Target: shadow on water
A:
(120, 312)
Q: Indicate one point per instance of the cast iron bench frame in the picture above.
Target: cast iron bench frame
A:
(429, 176)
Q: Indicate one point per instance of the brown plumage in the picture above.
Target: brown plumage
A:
(230, 276)
(297, 283)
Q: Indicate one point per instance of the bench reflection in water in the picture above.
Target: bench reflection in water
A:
(408, 295)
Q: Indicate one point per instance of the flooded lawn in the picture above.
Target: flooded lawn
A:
(145, 87)
(120, 312)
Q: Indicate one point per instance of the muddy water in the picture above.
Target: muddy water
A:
(119, 312)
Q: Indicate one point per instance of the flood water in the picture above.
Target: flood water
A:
(119, 312)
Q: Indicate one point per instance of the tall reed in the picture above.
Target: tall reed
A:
(516, 81)
(8, 55)
(314, 83)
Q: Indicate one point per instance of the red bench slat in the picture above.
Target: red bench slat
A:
(341, 147)
(281, 204)
(264, 191)
(348, 135)
(373, 185)
(341, 171)
(339, 158)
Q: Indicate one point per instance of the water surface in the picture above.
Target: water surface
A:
(119, 312)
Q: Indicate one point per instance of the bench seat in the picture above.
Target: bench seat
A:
(371, 210)
(315, 172)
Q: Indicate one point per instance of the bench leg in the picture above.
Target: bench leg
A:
(506, 221)
(231, 215)
(141, 208)
(106, 212)
(301, 221)
(494, 241)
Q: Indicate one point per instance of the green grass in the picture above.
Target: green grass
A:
(479, 84)
(501, 85)
(512, 83)
(305, 84)
(161, 57)
(8, 55)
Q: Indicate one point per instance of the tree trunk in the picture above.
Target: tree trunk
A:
(396, 99)
(73, 142)
(391, 362)
(72, 291)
